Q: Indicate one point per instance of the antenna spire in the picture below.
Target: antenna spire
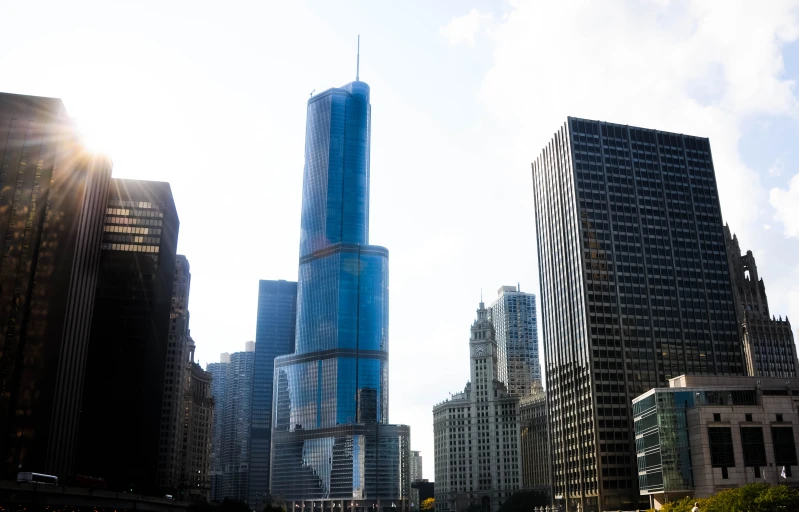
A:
(358, 61)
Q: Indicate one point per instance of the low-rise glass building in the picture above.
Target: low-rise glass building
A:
(704, 434)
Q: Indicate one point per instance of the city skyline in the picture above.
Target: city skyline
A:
(465, 95)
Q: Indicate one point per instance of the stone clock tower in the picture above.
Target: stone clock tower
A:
(477, 432)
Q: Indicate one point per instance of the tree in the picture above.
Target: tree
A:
(748, 498)
(429, 504)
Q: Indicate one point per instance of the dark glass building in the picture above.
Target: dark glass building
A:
(635, 290)
(274, 336)
(125, 376)
(52, 201)
(331, 443)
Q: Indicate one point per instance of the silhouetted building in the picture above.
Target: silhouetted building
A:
(769, 349)
(274, 336)
(52, 201)
(514, 316)
(331, 441)
(177, 371)
(476, 432)
(195, 450)
(125, 376)
(230, 459)
(635, 289)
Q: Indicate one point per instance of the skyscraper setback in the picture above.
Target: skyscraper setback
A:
(52, 197)
(274, 336)
(635, 289)
(330, 416)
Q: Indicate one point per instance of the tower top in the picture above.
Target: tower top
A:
(358, 60)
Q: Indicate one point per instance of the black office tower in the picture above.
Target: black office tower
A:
(125, 381)
(635, 290)
(274, 336)
(52, 196)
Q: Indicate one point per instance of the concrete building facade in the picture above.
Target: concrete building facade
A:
(476, 432)
(704, 434)
(534, 441)
(768, 344)
(177, 371)
(195, 449)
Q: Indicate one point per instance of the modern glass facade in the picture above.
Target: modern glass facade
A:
(331, 441)
(635, 290)
(514, 317)
(230, 456)
(274, 336)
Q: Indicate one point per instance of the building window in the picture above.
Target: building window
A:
(717, 417)
(721, 453)
(748, 417)
(724, 474)
(784, 446)
(779, 417)
(754, 450)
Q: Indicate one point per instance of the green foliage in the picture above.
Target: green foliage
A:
(682, 505)
(748, 498)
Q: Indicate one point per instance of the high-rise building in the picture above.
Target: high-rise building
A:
(52, 201)
(177, 370)
(769, 349)
(218, 373)
(416, 475)
(274, 336)
(125, 373)
(514, 317)
(195, 450)
(230, 457)
(635, 290)
(534, 447)
(331, 442)
(476, 432)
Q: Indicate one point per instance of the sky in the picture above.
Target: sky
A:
(211, 97)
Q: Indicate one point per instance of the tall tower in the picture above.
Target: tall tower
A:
(52, 203)
(769, 349)
(476, 432)
(130, 337)
(513, 315)
(331, 395)
(274, 336)
(635, 290)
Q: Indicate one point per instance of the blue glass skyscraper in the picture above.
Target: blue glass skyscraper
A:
(331, 442)
(274, 336)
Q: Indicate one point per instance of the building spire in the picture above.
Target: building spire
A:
(358, 60)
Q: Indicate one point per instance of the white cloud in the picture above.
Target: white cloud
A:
(786, 204)
(776, 168)
(464, 29)
(677, 66)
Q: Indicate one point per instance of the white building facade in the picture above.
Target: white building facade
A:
(476, 432)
